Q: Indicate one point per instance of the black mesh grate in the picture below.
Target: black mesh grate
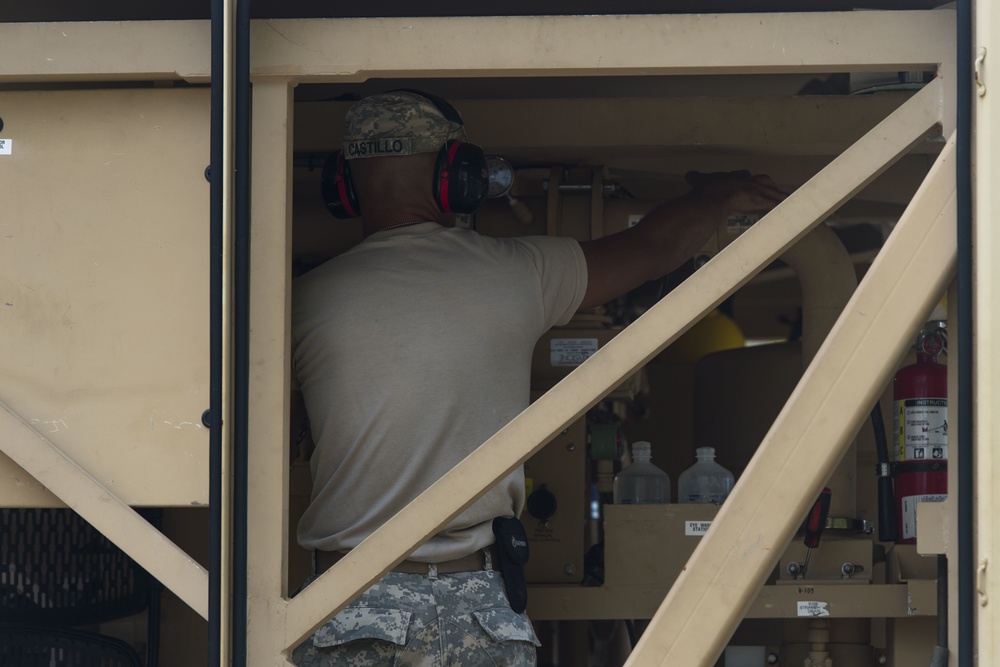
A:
(27, 646)
(55, 568)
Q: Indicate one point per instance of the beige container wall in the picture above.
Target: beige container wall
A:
(104, 286)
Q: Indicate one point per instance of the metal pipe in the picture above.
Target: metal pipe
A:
(214, 416)
(220, 387)
(241, 336)
(828, 280)
(826, 275)
(963, 175)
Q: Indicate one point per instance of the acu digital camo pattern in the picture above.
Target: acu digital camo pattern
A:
(396, 123)
(415, 620)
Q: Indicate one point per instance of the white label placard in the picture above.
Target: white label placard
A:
(811, 608)
(696, 528)
(571, 351)
(908, 507)
(5, 146)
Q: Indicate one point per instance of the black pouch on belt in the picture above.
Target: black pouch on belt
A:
(512, 549)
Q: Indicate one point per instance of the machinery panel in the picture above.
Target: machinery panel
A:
(555, 518)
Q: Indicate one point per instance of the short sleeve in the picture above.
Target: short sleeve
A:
(562, 272)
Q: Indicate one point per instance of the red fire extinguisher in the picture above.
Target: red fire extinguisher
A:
(920, 427)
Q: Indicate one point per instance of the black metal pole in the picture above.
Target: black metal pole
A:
(241, 334)
(217, 199)
(966, 565)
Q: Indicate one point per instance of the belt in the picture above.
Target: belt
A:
(471, 563)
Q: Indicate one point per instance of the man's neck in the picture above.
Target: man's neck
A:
(400, 224)
(401, 217)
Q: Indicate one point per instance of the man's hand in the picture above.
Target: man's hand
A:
(737, 191)
(672, 232)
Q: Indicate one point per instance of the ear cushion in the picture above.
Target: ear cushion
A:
(461, 179)
(338, 190)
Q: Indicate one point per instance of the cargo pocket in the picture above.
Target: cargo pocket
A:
(506, 625)
(364, 623)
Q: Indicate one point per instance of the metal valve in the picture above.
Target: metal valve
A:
(848, 570)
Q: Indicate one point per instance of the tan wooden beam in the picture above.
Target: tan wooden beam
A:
(113, 51)
(270, 306)
(619, 45)
(342, 49)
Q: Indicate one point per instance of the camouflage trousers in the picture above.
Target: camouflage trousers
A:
(425, 620)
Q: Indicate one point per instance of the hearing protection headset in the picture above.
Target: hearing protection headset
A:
(461, 179)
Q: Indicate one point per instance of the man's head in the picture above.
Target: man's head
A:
(391, 139)
(399, 123)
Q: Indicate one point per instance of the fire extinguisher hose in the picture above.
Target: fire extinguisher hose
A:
(887, 530)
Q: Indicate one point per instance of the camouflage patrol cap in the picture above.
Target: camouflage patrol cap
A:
(398, 123)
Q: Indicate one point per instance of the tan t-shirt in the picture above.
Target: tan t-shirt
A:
(411, 350)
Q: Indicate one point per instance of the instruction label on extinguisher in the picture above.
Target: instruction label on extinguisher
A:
(921, 427)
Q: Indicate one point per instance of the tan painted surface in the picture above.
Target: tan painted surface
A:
(104, 281)
(341, 49)
(986, 426)
(106, 512)
(268, 502)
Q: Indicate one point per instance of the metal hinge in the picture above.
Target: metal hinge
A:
(981, 582)
(980, 78)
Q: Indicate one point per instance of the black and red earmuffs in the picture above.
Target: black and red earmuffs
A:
(461, 178)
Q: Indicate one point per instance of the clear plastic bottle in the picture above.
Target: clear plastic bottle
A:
(641, 482)
(706, 481)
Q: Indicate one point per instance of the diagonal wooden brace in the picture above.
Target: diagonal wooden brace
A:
(104, 510)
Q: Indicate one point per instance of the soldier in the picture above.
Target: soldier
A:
(414, 347)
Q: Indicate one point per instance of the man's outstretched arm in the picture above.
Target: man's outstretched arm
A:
(671, 233)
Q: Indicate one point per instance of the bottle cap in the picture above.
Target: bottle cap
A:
(641, 448)
(705, 452)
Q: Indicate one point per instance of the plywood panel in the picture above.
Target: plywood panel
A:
(104, 270)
